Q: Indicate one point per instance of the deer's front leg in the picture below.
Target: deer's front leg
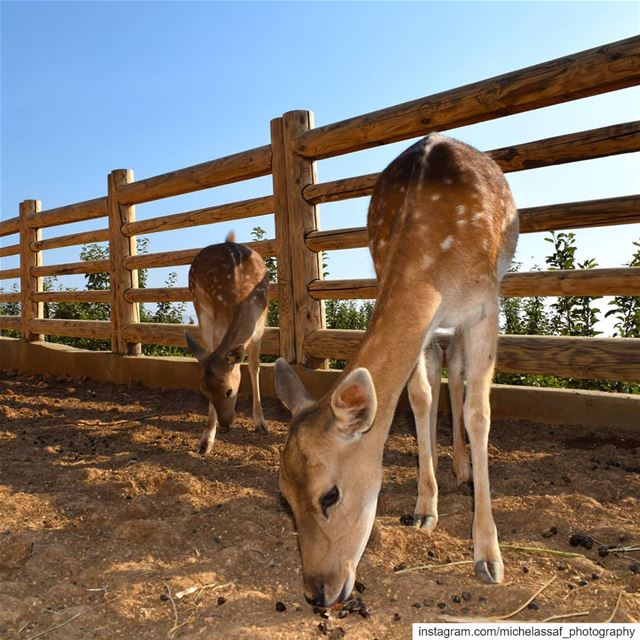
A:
(455, 369)
(209, 434)
(480, 344)
(425, 514)
(254, 370)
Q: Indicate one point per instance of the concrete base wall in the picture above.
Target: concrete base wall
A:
(549, 406)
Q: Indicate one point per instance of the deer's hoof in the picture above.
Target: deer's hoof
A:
(428, 523)
(489, 571)
(262, 429)
(204, 448)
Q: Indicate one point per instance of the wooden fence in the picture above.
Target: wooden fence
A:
(302, 336)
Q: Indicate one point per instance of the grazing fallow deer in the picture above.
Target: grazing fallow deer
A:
(229, 285)
(443, 227)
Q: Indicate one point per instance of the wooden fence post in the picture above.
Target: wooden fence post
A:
(306, 265)
(286, 314)
(121, 279)
(29, 258)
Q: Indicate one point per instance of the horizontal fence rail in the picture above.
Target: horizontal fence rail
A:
(265, 248)
(289, 159)
(9, 250)
(173, 335)
(585, 145)
(79, 212)
(175, 294)
(96, 329)
(103, 295)
(606, 358)
(606, 68)
(85, 237)
(70, 268)
(240, 166)
(219, 213)
(12, 296)
(623, 281)
(553, 217)
(10, 323)
(9, 227)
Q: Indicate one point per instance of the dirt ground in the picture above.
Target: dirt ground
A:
(107, 513)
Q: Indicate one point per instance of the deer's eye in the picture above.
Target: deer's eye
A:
(229, 392)
(329, 499)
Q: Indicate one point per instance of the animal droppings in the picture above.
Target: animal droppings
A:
(581, 540)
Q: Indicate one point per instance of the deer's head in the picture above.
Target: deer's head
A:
(219, 377)
(330, 475)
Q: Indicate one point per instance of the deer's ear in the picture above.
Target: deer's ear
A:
(290, 389)
(194, 346)
(354, 403)
(236, 355)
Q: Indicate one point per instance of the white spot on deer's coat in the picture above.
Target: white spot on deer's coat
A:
(219, 297)
(461, 209)
(479, 217)
(448, 181)
(446, 243)
(435, 196)
(461, 222)
(427, 261)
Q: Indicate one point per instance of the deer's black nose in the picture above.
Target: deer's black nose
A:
(317, 598)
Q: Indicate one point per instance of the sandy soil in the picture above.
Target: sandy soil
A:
(107, 513)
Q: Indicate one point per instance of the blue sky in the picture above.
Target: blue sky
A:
(88, 87)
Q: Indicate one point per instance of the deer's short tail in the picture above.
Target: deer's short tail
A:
(231, 237)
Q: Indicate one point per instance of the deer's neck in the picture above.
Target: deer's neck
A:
(401, 324)
(241, 328)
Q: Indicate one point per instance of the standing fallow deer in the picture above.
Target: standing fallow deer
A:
(229, 285)
(443, 227)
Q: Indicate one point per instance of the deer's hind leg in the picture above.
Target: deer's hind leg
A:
(422, 403)
(480, 342)
(455, 375)
(253, 350)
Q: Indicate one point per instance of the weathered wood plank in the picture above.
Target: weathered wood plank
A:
(76, 212)
(98, 235)
(583, 145)
(11, 296)
(11, 323)
(605, 358)
(220, 213)
(173, 335)
(185, 256)
(568, 215)
(68, 268)
(97, 329)
(102, 295)
(240, 166)
(606, 68)
(9, 227)
(175, 294)
(621, 281)
(9, 250)
(578, 215)
(10, 274)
